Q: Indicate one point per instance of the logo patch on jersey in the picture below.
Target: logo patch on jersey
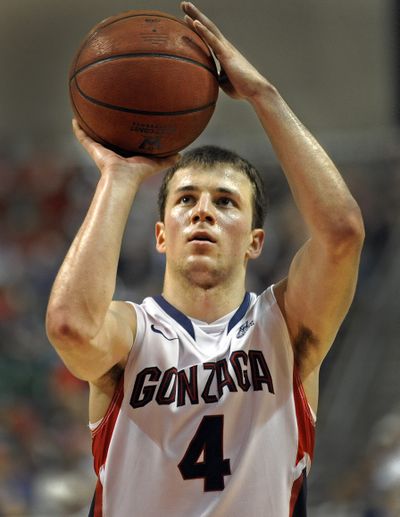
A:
(244, 328)
(158, 331)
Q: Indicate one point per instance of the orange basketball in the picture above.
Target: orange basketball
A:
(143, 82)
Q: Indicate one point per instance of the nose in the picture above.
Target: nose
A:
(203, 211)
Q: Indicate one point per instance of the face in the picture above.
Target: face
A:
(206, 233)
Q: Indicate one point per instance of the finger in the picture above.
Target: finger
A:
(80, 133)
(154, 161)
(213, 41)
(75, 126)
(195, 13)
(172, 160)
(168, 161)
(91, 147)
(189, 22)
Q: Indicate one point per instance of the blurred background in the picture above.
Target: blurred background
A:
(337, 65)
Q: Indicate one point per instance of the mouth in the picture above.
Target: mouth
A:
(202, 237)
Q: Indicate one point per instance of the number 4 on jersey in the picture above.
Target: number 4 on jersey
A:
(209, 441)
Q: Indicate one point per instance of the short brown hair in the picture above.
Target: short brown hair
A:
(207, 156)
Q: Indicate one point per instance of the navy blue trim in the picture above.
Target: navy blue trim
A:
(300, 510)
(183, 320)
(239, 313)
(91, 511)
(186, 323)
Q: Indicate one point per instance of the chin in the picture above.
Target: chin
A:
(203, 273)
(203, 282)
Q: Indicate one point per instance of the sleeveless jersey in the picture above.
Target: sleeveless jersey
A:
(206, 423)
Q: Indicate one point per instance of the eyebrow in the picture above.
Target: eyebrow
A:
(193, 188)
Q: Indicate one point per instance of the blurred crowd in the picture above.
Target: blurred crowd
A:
(45, 460)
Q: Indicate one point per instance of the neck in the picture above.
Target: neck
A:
(203, 303)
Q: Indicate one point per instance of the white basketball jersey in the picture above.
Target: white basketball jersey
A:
(208, 420)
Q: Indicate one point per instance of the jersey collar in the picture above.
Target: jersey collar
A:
(186, 323)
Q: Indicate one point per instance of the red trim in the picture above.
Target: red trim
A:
(293, 497)
(305, 420)
(98, 500)
(306, 433)
(101, 438)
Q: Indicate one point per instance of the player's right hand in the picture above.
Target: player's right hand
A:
(108, 162)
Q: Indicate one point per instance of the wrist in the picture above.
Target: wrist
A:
(265, 94)
(118, 185)
(123, 176)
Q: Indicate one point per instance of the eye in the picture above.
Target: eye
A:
(225, 201)
(185, 200)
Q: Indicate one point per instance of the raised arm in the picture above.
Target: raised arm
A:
(317, 293)
(91, 332)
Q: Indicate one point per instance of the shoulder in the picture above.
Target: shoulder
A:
(266, 313)
(126, 310)
(268, 302)
(278, 290)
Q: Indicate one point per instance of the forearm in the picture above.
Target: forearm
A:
(85, 284)
(319, 191)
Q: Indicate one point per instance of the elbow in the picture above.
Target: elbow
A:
(353, 227)
(347, 232)
(60, 329)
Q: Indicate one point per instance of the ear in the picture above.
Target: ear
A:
(256, 243)
(160, 237)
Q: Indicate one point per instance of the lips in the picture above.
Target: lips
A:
(201, 236)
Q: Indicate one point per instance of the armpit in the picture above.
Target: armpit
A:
(303, 344)
(115, 373)
(110, 379)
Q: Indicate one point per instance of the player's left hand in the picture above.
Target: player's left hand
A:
(238, 78)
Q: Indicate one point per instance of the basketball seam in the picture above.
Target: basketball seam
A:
(144, 54)
(93, 33)
(142, 112)
(116, 148)
(102, 140)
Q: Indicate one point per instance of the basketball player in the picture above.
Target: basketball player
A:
(203, 399)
